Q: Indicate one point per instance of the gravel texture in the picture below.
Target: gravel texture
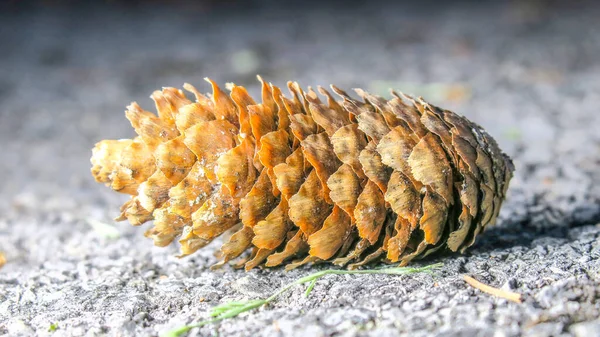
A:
(527, 71)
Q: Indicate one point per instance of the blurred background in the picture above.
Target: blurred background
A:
(527, 71)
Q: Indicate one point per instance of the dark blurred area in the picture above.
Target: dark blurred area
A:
(68, 68)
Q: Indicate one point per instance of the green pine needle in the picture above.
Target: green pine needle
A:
(232, 309)
(310, 287)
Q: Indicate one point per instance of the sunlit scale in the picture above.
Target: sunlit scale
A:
(303, 180)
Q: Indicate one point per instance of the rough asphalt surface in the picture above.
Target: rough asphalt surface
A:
(527, 71)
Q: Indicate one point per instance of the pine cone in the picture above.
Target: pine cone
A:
(343, 181)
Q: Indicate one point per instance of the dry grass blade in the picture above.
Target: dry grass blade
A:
(509, 295)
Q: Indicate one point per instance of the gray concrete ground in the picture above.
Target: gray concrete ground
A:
(529, 72)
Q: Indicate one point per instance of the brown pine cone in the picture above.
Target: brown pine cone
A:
(343, 181)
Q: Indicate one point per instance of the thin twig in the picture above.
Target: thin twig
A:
(509, 295)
